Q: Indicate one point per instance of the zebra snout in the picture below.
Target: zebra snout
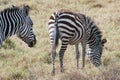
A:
(96, 63)
(32, 43)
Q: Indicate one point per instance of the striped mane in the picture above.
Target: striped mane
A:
(93, 25)
(12, 9)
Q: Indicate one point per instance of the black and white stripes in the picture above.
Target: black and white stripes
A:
(73, 28)
(15, 20)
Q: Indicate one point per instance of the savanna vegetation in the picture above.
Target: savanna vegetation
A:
(19, 62)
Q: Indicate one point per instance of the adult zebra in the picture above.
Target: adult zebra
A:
(16, 20)
(73, 28)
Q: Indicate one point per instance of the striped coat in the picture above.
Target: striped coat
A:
(74, 28)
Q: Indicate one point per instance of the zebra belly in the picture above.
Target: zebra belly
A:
(77, 38)
(74, 41)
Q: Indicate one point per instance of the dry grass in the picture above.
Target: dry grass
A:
(19, 62)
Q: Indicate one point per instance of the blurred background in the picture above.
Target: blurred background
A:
(19, 62)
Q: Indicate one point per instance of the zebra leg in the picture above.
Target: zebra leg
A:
(77, 55)
(83, 54)
(61, 54)
(53, 60)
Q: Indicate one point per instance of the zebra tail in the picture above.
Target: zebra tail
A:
(56, 31)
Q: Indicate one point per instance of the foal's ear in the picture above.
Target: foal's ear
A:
(104, 41)
(13, 6)
(26, 9)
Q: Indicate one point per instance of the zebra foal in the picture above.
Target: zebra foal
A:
(74, 28)
(17, 21)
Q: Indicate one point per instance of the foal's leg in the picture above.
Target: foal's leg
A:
(77, 54)
(61, 54)
(53, 60)
(83, 53)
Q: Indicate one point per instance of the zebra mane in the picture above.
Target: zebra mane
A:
(12, 9)
(89, 20)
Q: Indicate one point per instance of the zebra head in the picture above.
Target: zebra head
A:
(26, 29)
(95, 41)
(96, 53)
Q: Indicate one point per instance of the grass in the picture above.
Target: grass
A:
(19, 62)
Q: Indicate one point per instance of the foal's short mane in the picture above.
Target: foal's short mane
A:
(97, 28)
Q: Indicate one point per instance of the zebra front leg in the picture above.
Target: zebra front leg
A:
(61, 55)
(53, 61)
(77, 55)
(83, 54)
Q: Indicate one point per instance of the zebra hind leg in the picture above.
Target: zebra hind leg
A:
(61, 54)
(53, 61)
(77, 55)
(83, 54)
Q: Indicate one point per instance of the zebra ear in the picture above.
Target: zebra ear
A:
(104, 41)
(13, 6)
(26, 9)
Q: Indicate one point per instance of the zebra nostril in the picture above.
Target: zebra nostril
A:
(32, 43)
(35, 41)
(96, 63)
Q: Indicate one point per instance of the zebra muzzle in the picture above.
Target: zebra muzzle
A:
(31, 44)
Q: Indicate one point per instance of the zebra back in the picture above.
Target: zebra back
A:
(78, 19)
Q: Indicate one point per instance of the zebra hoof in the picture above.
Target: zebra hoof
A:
(62, 70)
(53, 73)
(82, 67)
(77, 67)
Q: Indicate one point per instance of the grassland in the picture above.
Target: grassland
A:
(19, 62)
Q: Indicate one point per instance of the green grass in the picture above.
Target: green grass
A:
(19, 62)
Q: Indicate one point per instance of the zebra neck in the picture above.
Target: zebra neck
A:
(15, 28)
(94, 37)
(10, 30)
(93, 41)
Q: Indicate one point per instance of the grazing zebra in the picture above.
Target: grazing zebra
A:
(73, 28)
(16, 20)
